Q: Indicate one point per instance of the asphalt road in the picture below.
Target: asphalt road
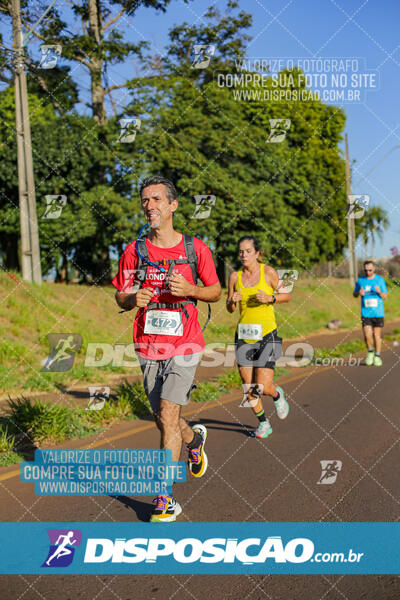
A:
(349, 414)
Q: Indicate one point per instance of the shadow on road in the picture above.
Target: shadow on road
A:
(143, 510)
(226, 426)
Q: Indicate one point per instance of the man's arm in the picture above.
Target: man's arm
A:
(207, 293)
(360, 292)
(180, 286)
(357, 290)
(381, 293)
(125, 301)
(128, 301)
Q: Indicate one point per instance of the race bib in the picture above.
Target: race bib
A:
(163, 322)
(371, 302)
(250, 332)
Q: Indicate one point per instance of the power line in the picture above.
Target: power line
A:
(378, 163)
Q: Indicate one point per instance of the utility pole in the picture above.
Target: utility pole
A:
(30, 251)
(350, 222)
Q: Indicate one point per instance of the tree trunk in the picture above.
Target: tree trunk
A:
(221, 272)
(96, 68)
(9, 245)
(102, 269)
(99, 112)
(64, 270)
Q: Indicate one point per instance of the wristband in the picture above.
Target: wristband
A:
(273, 299)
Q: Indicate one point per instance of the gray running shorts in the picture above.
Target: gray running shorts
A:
(170, 379)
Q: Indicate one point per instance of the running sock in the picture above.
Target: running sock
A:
(196, 441)
(276, 398)
(261, 416)
(370, 349)
(377, 353)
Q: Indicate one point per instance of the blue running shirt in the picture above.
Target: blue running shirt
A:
(371, 302)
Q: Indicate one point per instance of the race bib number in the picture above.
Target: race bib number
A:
(250, 332)
(371, 302)
(163, 322)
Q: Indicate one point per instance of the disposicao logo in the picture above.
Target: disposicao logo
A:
(62, 547)
(189, 550)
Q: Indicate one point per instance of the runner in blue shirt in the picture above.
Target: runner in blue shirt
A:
(373, 291)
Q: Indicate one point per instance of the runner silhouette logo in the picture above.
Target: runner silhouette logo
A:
(63, 347)
(329, 471)
(62, 547)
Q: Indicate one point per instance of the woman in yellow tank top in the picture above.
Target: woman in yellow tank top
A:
(257, 344)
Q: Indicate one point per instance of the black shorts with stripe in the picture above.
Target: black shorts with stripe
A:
(261, 354)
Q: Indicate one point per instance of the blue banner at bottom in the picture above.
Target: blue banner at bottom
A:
(208, 548)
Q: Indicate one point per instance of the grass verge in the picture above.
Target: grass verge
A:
(352, 347)
(28, 424)
(30, 312)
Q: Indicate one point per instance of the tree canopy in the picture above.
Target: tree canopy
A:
(210, 139)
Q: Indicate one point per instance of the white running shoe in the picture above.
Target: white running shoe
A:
(281, 405)
(263, 430)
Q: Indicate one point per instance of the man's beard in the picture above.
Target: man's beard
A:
(156, 223)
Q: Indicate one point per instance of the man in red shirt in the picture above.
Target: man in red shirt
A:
(168, 339)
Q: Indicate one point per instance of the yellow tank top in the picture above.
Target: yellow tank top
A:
(251, 311)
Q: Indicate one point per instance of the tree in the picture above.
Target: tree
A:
(67, 162)
(9, 199)
(372, 224)
(99, 42)
(199, 134)
(54, 86)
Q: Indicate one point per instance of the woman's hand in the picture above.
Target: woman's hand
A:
(237, 296)
(264, 298)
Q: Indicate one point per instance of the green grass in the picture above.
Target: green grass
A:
(29, 312)
(352, 347)
(394, 335)
(42, 421)
(211, 390)
(7, 454)
(38, 423)
(340, 351)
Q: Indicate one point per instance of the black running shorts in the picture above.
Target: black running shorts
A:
(262, 354)
(373, 321)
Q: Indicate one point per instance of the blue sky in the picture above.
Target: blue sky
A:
(362, 29)
(365, 30)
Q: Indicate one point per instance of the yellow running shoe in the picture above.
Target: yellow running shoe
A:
(197, 459)
(166, 510)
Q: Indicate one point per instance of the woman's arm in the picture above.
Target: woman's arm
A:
(233, 296)
(272, 277)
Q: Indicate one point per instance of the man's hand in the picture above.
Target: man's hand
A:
(143, 296)
(377, 289)
(362, 292)
(263, 297)
(179, 286)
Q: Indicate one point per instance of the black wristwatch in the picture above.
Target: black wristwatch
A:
(273, 299)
